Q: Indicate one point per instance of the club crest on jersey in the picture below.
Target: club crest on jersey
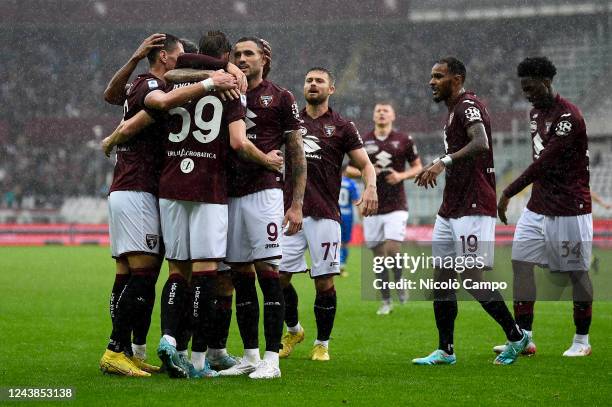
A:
(151, 241)
(329, 130)
(563, 128)
(395, 144)
(533, 126)
(265, 100)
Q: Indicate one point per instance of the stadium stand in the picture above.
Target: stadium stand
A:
(53, 115)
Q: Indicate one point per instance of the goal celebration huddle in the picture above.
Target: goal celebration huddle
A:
(219, 172)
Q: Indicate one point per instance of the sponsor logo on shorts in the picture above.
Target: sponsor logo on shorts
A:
(272, 245)
(152, 241)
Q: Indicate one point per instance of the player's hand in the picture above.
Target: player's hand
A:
(223, 81)
(393, 177)
(293, 217)
(230, 94)
(502, 206)
(151, 42)
(240, 77)
(275, 160)
(427, 177)
(368, 203)
(107, 146)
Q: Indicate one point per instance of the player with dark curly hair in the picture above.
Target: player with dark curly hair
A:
(556, 227)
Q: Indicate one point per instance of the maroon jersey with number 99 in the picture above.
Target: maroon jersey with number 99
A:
(196, 149)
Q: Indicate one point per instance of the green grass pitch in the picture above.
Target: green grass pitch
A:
(54, 325)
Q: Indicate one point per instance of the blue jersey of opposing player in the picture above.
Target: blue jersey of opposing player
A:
(348, 194)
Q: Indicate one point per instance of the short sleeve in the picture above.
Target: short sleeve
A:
(567, 125)
(352, 138)
(290, 114)
(137, 95)
(468, 113)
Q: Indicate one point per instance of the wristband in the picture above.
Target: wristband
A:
(208, 84)
(447, 160)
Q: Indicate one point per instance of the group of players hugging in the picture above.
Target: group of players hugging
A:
(221, 174)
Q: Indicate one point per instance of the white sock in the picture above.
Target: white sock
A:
(170, 340)
(582, 339)
(252, 356)
(294, 329)
(197, 360)
(271, 358)
(140, 351)
(324, 343)
(529, 334)
(216, 353)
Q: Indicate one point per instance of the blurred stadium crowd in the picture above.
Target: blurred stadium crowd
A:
(53, 115)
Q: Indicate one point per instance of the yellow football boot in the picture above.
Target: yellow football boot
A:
(319, 352)
(118, 363)
(289, 341)
(144, 366)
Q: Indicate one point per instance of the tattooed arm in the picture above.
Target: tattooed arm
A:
(297, 160)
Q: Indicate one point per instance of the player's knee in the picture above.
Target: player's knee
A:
(523, 267)
(143, 261)
(266, 270)
(285, 279)
(324, 283)
(122, 266)
(225, 287)
(182, 268)
(392, 247)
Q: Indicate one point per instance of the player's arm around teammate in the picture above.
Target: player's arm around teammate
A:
(115, 90)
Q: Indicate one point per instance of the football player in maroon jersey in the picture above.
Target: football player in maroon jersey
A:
(389, 150)
(465, 224)
(135, 239)
(556, 227)
(327, 138)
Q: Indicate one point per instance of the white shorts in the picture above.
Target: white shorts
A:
(528, 244)
(133, 220)
(322, 238)
(193, 230)
(389, 226)
(461, 238)
(255, 230)
(569, 242)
